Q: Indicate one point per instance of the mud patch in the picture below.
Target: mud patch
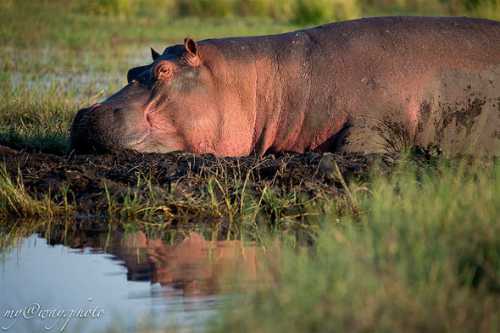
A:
(180, 186)
(463, 117)
(425, 114)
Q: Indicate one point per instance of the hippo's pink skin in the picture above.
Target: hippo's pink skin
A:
(367, 85)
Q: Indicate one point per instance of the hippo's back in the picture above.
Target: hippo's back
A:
(412, 80)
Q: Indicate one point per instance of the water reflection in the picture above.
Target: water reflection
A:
(131, 276)
(193, 265)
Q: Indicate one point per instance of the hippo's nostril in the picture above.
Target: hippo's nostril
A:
(86, 134)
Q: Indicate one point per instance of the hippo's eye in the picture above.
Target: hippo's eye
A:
(163, 71)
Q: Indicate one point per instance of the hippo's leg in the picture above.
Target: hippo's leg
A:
(389, 133)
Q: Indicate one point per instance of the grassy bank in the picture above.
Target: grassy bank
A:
(423, 256)
(420, 252)
(237, 195)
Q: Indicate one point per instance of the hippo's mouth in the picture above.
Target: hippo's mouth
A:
(147, 144)
(137, 141)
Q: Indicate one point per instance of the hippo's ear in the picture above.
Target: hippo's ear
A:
(192, 55)
(154, 54)
(190, 46)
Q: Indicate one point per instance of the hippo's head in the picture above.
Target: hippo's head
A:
(164, 106)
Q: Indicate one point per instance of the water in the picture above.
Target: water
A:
(120, 280)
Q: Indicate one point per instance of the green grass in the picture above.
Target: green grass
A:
(424, 255)
(15, 200)
(229, 194)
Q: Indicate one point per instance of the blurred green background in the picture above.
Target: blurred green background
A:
(297, 11)
(28, 22)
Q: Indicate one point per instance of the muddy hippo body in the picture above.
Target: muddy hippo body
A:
(369, 85)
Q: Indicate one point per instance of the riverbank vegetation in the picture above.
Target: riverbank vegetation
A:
(423, 254)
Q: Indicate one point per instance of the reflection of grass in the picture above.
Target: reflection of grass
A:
(11, 233)
(424, 255)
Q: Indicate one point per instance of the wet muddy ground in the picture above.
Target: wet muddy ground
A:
(184, 185)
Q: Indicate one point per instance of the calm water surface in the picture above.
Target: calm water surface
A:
(120, 280)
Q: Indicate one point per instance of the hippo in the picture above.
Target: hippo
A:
(365, 86)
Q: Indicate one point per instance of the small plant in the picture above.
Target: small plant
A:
(15, 200)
